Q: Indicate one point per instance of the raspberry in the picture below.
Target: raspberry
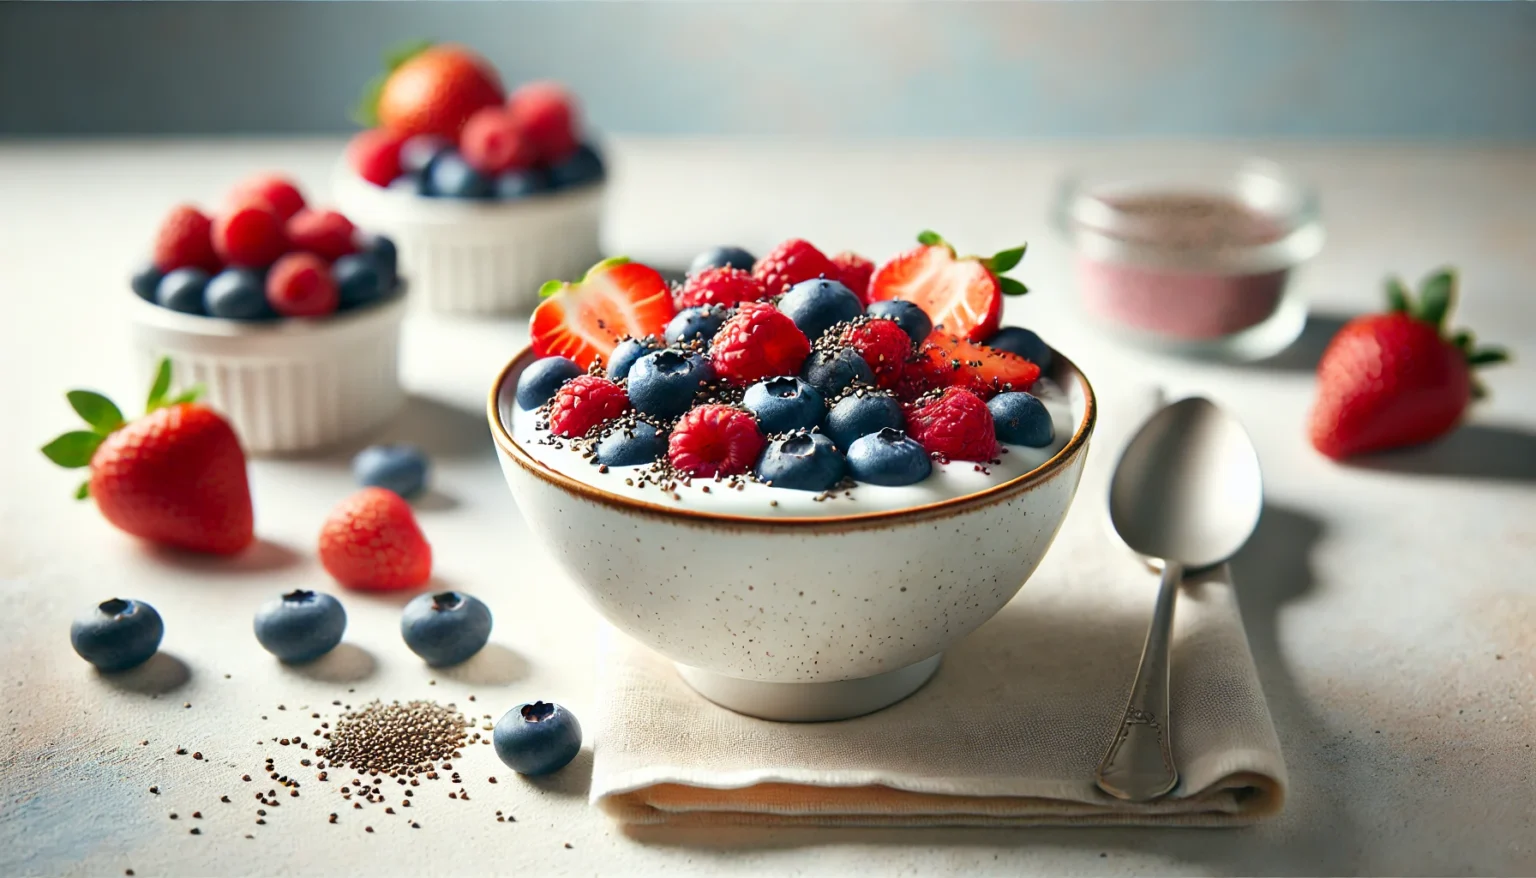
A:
(790, 263)
(493, 142)
(956, 425)
(250, 236)
(584, 402)
(325, 233)
(719, 286)
(375, 155)
(547, 114)
(758, 342)
(185, 240)
(300, 285)
(854, 271)
(277, 192)
(885, 346)
(715, 440)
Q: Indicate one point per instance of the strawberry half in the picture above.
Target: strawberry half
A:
(964, 295)
(585, 320)
(944, 360)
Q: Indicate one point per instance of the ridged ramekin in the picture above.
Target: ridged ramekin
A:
(286, 386)
(480, 257)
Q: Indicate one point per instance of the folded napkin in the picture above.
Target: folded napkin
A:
(1007, 733)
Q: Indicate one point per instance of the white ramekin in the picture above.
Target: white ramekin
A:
(479, 257)
(289, 385)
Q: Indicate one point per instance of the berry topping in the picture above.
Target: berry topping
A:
(538, 738)
(818, 305)
(861, 413)
(583, 403)
(714, 440)
(374, 155)
(664, 383)
(1021, 419)
(417, 153)
(117, 634)
(584, 166)
(695, 324)
(300, 285)
(885, 346)
(784, 404)
(854, 271)
(627, 353)
(888, 457)
(277, 192)
(520, 183)
(546, 114)
(250, 236)
(955, 425)
(493, 142)
(945, 361)
(432, 90)
(400, 468)
(238, 294)
(371, 542)
(541, 378)
(358, 279)
(300, 626)
(758, 342)
(908, 316)
(790, 263)
(962, 295)
(145, 281)
(719, 286)
(631, 444)
(185, 240)
(450, 176)
(184, 290)
(1018, 340)
(832, 372)
(802, 461)
(722, 257)
(325, 233)
(585, 320)
(446, 628)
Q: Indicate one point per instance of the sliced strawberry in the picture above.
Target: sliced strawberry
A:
(964, 295)
(944, 360)
(586, 319)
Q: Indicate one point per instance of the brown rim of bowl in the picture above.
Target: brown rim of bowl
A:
(1042, 473)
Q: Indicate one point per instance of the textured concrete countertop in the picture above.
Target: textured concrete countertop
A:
(1391, 606)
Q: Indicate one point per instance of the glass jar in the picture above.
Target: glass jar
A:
(1192, 259)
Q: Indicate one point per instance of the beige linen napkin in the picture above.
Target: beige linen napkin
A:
(1007, 733)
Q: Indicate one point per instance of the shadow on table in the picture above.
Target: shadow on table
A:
(439, 428)
(494, 665)
(347, 663)
(1474, 451)
(574, 780)
(262, 556)
(163, 674)
(1307, 349)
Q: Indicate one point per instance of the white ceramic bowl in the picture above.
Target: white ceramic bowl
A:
(479, 257)
(289, 385)
(798, 618)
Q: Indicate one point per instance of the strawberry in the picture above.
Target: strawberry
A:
(492, 142)
(546, 113)
(430, 90)
(1395, 379)
(374, 155)
(791, 262)
(585, 320)
(964, 295)
(371, 542)
(854, 271)
(185, 240)
(175, 476)
(274, 190)
(944, 360)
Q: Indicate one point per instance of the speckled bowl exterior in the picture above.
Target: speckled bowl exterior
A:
(797, 600)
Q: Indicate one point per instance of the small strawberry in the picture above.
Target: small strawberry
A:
(175, 476)
(791, 262)
(585, 402)
(944, 360)
(250, 235)
(493, 142)
(325, 233)
(714, 440)
(546, 113)
(758, 342)
(1394, 379)
(586, 319)
(885, 346)
(955, 425)
(854, 271)
(274, 190)
(430, 89)
(371, 542)
(185, 240)
(718, 286)
(374, 155)
(964, 295)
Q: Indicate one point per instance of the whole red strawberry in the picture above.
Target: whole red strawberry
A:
(371, 542)
(791, 262)
(431, 90)
(854, 271)
(956, 424)
(758, 342)
(963, 295)
(1394, 379)
(724, 286)
(175, 476)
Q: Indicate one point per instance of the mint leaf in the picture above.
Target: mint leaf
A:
(551, 287)
(101, 413)
(1437, 295)
(1397, 295)
(73, 450)
(930, 238)
(1012, 287)
(160, 387)
(1004, 260)
(84, 490)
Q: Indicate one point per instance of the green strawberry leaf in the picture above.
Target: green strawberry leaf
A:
(1012, 287)
(1004, 260)
(930, 238)
(84, 490)
(1486, 356)
(366, 111)
(101, 413)
(74, 449)
(606, 264)
(1437, 295)
(1397, 296)
(189, 395)
(160, 387)
(395, 56)
(551, 287)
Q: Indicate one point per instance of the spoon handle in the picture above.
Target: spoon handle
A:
(1139, 765)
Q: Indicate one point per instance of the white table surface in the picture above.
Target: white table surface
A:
(1392, 608)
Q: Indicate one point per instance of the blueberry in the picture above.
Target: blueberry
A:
(690, 323)
(300, 626)
(238, 294)
(861, 414)
(415, 183)
(118, 634)
(631, 445)
(912, 319)
(386, 257)
(624, 355)
(400, 468)
(1021, 419)
(1018, 340)
(721, 257)
(802, 461)
(445, 628)
(664, 383)
(416, 153)
(784, 404)
(520, 184)
(358, 279)
(888, 457)
(145, 281)
(449, 176)
(537, 738)
(583, 167)
(816, 305)
(538, 383)
(834, 373)
(182, 290)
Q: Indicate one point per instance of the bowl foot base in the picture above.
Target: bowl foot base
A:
(811, 702)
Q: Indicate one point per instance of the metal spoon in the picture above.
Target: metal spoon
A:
(1186, 492)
